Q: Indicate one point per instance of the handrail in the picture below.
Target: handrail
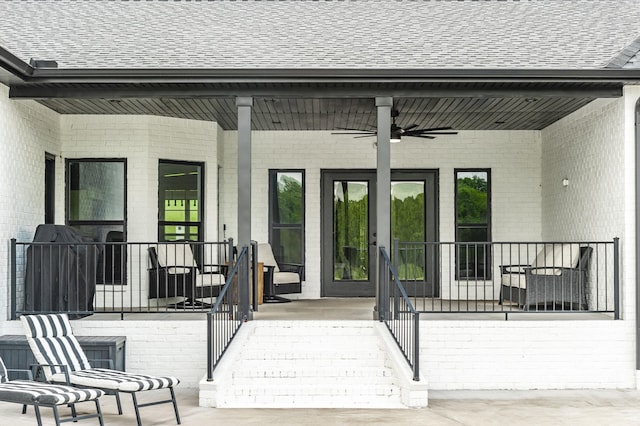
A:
(92, 277)
(224, 319)
(400, 317)
(511, 278)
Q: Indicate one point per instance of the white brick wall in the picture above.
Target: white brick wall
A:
(587, 148)
(143, 140)
(590, 149)
(27, 131)
(514, 158)
(527, 354)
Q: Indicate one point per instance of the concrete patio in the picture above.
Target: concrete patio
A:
(588, 407)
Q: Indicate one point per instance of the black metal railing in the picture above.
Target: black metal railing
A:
(226, 316)
(511, 277)
(117, 277)
(398, 314)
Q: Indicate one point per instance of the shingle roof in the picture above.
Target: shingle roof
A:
(545, 34)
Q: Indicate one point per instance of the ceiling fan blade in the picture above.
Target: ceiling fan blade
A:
(355, 132)
(431, 129)
(409, 127)
(359, 130)
(421, 136)
(436, 133)
(364, 136)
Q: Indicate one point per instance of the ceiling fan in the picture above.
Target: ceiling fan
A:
(397, 132)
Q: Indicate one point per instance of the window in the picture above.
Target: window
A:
(180, 201)
(96, 199)
(473, 213)
(286, 215)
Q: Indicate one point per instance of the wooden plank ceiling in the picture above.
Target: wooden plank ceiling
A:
(461, 113)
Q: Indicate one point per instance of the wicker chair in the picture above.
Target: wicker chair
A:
(559, 286)
(559, 275)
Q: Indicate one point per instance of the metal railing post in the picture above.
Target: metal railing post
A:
(210, 340)
(416, 348)
(616, 278)
(243, 286)
(13, 278)
(254, 274)
(383, 290)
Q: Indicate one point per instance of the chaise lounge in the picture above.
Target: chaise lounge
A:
(39, 394)
(63, 360)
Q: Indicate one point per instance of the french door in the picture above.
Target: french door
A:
(349, 232)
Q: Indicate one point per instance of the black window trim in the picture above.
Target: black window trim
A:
(273, 173)
(457, 226)
(70, 222)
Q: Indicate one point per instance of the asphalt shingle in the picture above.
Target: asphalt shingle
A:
(546, 34)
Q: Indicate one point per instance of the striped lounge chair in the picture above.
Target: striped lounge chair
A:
(39, 394)
(63, 361)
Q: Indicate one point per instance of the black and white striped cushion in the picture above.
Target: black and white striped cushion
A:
(52, 342)
(30, 392)
(118, 380)
(4, 376)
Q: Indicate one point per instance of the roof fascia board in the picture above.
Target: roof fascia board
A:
(128, 76)
(131, 92)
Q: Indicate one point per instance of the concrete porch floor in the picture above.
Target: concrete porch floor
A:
(477, 408)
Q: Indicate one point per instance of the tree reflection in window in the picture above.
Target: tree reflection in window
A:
(473, 204)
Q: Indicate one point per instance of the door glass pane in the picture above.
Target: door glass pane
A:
(350, 230)
(408, 225)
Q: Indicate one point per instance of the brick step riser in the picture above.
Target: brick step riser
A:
(373, 371)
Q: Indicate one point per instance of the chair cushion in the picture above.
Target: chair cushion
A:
(51, 341)
(176, 256)
(30, 392)
(514, 280)
(285, 277)
(554, 256)
(117, 380)
(204, 280)
(265, 255)
(46, 325)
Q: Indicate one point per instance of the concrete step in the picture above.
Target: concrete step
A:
(320, 395)
(259, 370)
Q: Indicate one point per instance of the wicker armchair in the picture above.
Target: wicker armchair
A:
(559, 286)
(559, 275)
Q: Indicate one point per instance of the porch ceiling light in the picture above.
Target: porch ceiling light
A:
(395, 135)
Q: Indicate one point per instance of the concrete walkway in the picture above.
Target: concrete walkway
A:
(592, 407)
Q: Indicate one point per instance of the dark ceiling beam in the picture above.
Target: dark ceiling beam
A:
(307, 92)
(257, 75)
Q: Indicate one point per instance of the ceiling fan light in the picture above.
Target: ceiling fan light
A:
(395, 135)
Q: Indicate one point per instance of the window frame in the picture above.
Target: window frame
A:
(273, 178)
(458, 227)
(100, 279)
(201, 205)
(67, 196)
